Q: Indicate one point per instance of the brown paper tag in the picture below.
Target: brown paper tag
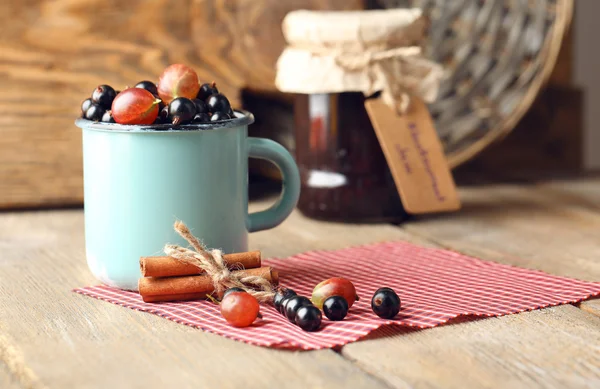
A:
(415, 157)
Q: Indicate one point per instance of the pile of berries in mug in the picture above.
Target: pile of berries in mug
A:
(178, 98)
(334, 296)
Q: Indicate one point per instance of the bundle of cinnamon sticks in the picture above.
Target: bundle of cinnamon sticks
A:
(168, 279)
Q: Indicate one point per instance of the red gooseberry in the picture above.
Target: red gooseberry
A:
(178, 80)
(336, 286)
(240, 309)
(135, 106)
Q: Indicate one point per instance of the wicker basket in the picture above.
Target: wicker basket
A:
(497, 54)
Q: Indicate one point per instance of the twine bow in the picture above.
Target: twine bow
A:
(400, 71)
(211, 261)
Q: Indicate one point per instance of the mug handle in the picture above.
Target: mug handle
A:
(274, 152)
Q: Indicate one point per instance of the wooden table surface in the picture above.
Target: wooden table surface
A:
(51, 337)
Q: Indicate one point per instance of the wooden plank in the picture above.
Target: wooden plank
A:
(592, 306)
(584, 193)
(235, 43)
(550, 348)
(69, 340)
(298, 234)
(522, 225)
(73, 333)
(550, 226)
(13, 370)
(528, 226)
(7, 381)
(461, 357)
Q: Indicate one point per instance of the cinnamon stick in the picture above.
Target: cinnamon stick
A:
(191, 287)
(171, 267)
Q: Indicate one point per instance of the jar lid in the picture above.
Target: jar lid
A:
(367, 51)
(394, 28)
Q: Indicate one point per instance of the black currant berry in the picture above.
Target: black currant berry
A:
(104, 95)
(217, 116)
(283, 303)
(385, 303)
(148, 85)
(182, 110)
(308, 318)
(218, 103)
(206, 90)
(200, 106)
(281, 295)
(230, 290)
(107, 117)
(292, 304)
(94, 112)
(87, 103)
(335, 308)
(201, 118)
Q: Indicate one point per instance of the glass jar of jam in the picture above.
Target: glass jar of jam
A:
(344, 173)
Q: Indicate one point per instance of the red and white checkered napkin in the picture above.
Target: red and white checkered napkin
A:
(434, 286)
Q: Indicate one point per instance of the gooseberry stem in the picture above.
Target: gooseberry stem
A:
(211, 298)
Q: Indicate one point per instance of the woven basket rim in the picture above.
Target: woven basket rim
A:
(564, 14)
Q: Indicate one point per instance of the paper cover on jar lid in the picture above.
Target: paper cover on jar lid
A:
(398, 27)
(366, 51)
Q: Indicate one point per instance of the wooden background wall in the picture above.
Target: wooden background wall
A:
(53, 53)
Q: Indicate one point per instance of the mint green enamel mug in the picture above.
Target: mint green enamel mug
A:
(138, 180)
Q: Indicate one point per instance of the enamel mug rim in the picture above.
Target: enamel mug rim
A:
(243, 118)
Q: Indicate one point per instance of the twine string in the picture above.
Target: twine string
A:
(211, 261)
